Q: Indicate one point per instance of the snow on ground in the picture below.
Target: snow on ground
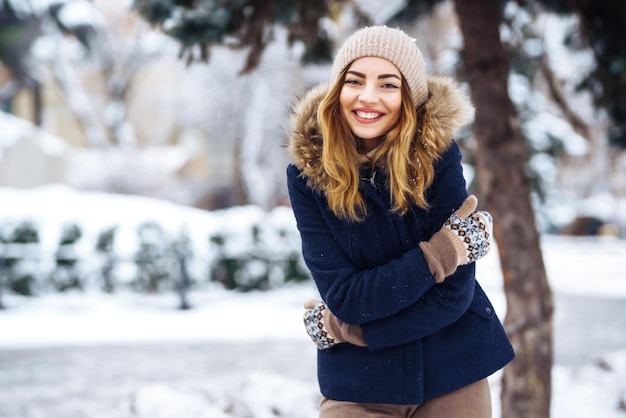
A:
(588, 276)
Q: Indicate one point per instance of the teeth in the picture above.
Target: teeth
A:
(367, 115)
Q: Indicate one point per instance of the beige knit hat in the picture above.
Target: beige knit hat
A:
(391, 44)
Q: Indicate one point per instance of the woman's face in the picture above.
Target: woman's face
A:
(371, 97)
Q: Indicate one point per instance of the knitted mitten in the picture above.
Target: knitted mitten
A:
(326, 330)
(463, 239)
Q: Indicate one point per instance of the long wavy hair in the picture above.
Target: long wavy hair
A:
(406, 159)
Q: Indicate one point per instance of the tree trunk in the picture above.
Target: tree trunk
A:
(506, 192)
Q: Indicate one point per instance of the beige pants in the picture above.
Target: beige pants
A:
(472, 401)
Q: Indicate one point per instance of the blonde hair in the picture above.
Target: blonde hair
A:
(406, 160)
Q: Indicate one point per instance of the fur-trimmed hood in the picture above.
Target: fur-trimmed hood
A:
(448, 110)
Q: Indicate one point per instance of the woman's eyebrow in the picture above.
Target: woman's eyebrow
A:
(358, 74)
(389, 76)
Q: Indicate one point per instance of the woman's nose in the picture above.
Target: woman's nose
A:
(368, 95)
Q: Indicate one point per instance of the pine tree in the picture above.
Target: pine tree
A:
(601, 29)
(199, 25)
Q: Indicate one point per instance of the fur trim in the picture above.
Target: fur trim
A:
(305, 142)
(448, 110)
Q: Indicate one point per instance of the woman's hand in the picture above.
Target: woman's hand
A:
(463, 239)
(326, 330)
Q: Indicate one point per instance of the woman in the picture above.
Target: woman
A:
(390, 237)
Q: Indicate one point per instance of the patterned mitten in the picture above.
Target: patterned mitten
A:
(463, 239)
(326, 330)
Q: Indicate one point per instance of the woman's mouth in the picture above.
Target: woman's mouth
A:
(367, 116)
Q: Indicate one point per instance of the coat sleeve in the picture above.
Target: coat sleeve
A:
(395, 302)
(436, 309)
(355, 295)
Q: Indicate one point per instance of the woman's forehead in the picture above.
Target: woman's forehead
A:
(373, 65)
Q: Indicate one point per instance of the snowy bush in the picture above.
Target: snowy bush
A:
(259, 257)
(105, 242)
(18, 260)
(66, 274)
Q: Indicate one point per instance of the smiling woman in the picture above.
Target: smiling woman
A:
(391, 237)
(370, 100)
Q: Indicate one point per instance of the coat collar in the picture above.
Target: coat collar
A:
(448, 110)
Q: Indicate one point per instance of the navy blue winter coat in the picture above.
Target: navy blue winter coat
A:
(423, 339)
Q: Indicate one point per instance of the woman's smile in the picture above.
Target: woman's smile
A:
(368, 116)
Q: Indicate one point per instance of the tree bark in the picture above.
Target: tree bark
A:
(505, 191)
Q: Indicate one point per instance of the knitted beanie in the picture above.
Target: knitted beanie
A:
(391, 44)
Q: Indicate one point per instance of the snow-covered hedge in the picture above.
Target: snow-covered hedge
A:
(56, 239)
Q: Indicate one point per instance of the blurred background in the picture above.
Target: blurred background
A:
(144, 214)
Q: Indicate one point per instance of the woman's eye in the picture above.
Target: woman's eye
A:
(390, 86)
(352, 81)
